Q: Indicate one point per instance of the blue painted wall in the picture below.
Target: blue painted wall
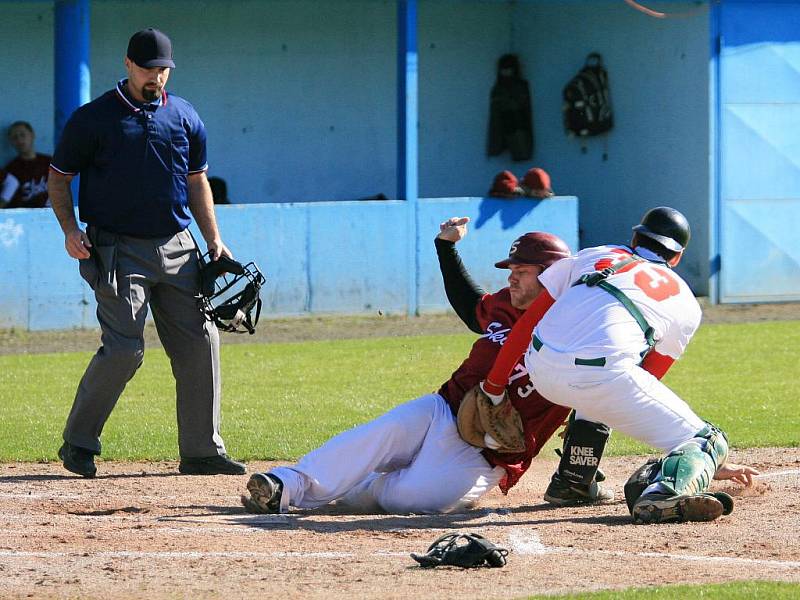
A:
(326, 257)
(26, 72)
(759, 194)
(299, 96)
(659, 150)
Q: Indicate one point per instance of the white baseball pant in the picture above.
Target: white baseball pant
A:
(619, 394)
(409, 460)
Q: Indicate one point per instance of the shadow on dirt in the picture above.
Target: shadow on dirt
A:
(66, 476)
(400, 524)
(320, 521)
(24, 478)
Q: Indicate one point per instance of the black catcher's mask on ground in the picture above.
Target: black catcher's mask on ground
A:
(229, 292)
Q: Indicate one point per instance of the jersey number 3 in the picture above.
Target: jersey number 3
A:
(659, 284)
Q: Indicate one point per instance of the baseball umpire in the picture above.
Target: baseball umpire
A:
(414, 458)
(141, 157)
(607, 326)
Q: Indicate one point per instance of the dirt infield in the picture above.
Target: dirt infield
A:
(142, 531)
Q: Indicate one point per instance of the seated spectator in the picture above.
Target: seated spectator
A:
(219, 190)
(8, 186)
(536, 184)
(30, 169)
(505, 185)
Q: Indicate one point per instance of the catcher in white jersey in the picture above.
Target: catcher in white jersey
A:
(608, 325)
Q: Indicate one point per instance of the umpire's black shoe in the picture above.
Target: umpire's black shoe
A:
(266, 491)
(220, 464)
(78, 460)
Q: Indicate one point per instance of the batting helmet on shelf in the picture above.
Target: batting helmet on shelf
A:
(667, 226)
(229, 293)
(535, 248)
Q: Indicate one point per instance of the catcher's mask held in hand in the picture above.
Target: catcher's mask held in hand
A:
(229, 291)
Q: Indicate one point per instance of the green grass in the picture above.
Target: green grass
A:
(744, 378)
(736, 590)
(281, 400)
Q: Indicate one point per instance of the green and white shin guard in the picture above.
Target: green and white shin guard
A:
(674, 488)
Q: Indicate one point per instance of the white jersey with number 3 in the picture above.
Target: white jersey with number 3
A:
(590, 322)
(587, 324)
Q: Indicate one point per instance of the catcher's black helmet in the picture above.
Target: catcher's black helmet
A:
(667, 226)
(229, 292)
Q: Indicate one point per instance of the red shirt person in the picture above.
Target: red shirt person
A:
(493, 315)
(8, 187)
(30, 168)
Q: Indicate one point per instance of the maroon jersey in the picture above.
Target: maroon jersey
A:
(32, 176)
(540, 417)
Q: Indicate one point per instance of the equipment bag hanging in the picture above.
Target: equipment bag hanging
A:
(587, 100)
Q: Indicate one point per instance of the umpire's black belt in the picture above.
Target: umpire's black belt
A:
(587, 362)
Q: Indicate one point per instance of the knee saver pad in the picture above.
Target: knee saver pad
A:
(584, 443)
(689, 468)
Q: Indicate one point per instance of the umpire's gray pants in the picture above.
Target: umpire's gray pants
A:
(126, 275)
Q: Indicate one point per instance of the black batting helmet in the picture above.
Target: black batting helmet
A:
(667, 226)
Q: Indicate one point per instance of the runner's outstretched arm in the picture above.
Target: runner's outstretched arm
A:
(518, 341)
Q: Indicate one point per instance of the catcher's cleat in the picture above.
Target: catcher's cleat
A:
(78, 460)
(727, 502)
(265, 494)
(664, 508)
(563, 493)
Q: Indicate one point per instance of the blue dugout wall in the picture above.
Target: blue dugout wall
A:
(319, 258)
(300, 102)
(300, 98)
(757, 203)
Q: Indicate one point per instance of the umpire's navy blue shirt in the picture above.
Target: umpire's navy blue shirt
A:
(133, 162)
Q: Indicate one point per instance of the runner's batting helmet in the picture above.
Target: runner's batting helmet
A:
(229, 292)
(535, 248)
(667, 226)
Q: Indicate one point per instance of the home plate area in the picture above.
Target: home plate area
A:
(142, 531)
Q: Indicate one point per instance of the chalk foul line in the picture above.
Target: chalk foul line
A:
(519, 541)
(528, 542)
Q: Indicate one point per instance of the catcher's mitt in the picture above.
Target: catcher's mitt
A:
(462, 550)
(478, 416)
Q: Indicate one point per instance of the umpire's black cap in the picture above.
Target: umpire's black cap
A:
(151, 48)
